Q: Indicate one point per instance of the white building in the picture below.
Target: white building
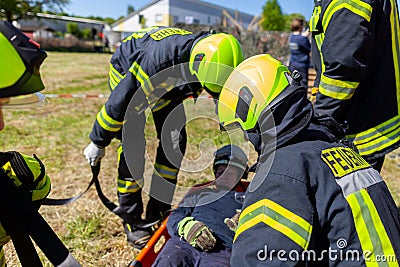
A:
(170, 12)
(43, 25)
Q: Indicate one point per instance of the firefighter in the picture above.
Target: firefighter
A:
(313, 201)
(356, 57)
(199, 236)
(24, 183)
(186, 63)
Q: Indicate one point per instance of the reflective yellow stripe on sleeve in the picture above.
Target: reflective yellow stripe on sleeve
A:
(370, 230)
(315, 18)
(142, 77)
(116, 74)
(106, 122)
(114, 77)
(358, 7)
(112, 83)
(277, 217)
(337, 89)
(377, 138)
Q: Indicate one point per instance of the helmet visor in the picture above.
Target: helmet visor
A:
(24, 101)
(229, 160)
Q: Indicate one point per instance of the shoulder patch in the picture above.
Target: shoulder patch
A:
(139, 34)
(343, 160)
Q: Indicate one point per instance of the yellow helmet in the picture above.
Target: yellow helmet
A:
(256, 83)
(20, 62)
(213, 58)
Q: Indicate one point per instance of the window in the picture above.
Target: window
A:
(159, 18)
(208, 20)
(176, 19)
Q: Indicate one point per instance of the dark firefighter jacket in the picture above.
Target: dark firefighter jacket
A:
(357, 43)
(150, 51)
(211, 207)
(313, 196)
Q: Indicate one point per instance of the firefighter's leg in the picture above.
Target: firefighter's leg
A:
(130, 179)
(130, 198)
(129, 188)
(171, 133)
(216, 257)
(177, 252)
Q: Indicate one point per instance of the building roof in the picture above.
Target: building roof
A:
(50, 16)
(229, 10)
(56, 23)
(134, 13)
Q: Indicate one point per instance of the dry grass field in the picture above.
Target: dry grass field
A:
(58, 134)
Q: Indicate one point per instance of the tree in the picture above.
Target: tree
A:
(109, 20)
(72, 28)
(131, 9)
(18, 9)
(274, 19)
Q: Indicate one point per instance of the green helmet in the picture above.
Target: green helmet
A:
(19, 66)
(213, 58)
(231, 155)
(258, 82)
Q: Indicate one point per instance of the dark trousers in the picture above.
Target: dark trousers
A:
(171, 134)
(179, 253)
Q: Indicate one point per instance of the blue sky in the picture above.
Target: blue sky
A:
(117, 8)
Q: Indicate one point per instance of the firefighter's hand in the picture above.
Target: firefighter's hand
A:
(233, 222)
(94, 153)
(197, 234)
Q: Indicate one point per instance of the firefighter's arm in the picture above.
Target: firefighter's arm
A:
(345, 51)
(184, 210)
(277, 216)
(109, 119)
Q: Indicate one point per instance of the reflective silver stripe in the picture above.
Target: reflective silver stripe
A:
(358, 180)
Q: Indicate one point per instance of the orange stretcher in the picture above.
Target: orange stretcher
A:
(149, 253)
